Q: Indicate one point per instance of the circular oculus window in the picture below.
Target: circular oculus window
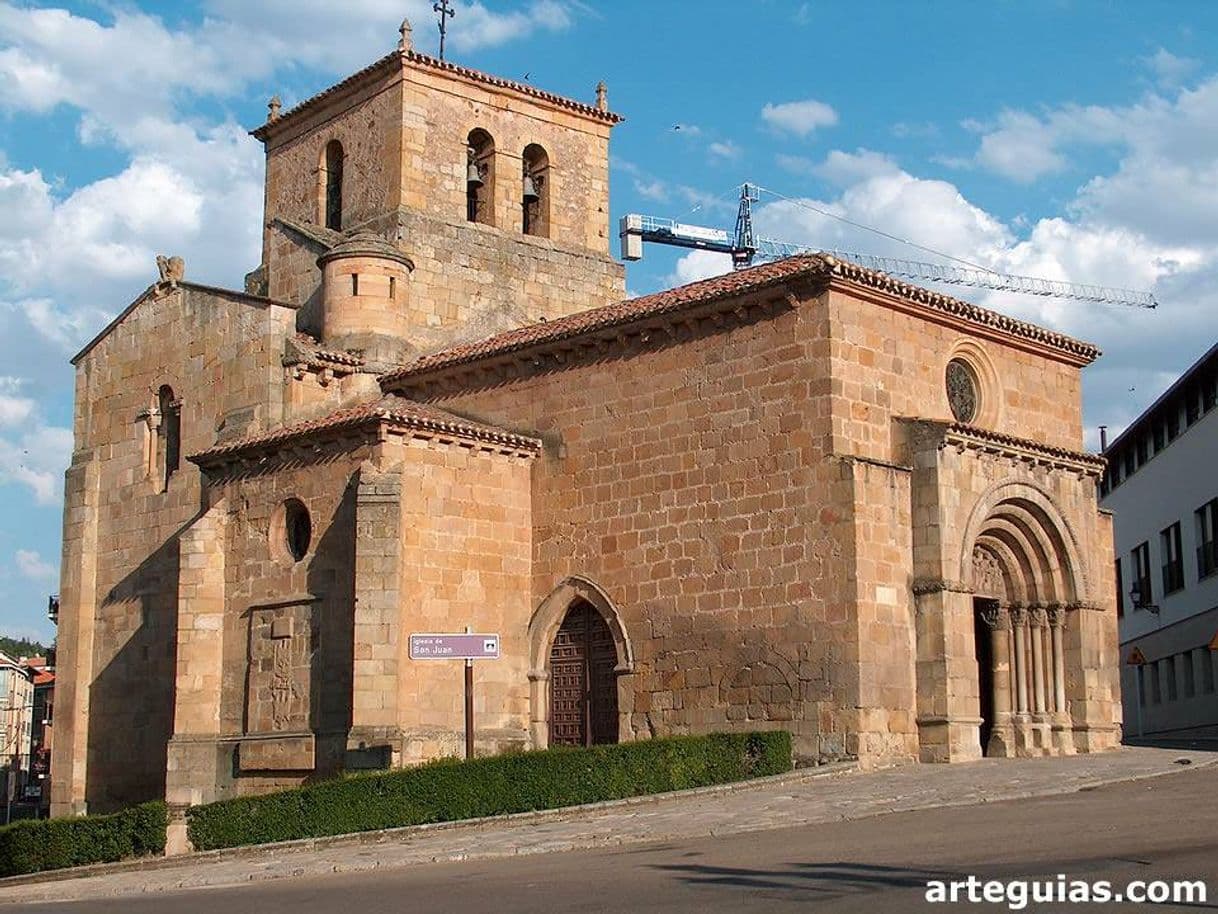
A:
(962, 392)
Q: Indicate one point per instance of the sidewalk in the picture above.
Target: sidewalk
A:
(802, 798)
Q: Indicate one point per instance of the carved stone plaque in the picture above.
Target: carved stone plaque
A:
(280, 653)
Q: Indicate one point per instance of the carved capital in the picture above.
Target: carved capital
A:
(1037, 617)
(1018, 616)
(1057, 616)
(997, 617)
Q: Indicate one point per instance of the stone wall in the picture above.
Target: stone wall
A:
(888, 361)
(688, 482)
(220, 354)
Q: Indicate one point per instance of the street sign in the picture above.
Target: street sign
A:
(468, 646)
(462, 646)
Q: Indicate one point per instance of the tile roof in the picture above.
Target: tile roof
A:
(448, 66)
(304, 348)
(659, 303)
(392, 410)
(728, 285)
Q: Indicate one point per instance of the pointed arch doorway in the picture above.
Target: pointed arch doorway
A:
(583, 680)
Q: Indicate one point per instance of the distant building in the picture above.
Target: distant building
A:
(37, 790)
(16, 713)
(1162, 488)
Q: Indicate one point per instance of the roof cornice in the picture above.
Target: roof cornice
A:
(426, 62)
(386, 415)
(972, 438)
(851, 277)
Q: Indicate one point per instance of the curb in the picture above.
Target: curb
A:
(404, 833)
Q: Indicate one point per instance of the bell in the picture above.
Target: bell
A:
(530, 190)
(473, 174)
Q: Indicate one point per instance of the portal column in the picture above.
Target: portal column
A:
(1063, 735)
(1039, 622)
(1001, 736)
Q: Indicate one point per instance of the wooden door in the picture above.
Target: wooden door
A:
(583, 684)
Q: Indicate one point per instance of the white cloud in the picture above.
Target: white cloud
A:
(700, 265)
(14, 408)
(796, 164)
(1169, 70)
(724, 150)
(1020, 148)
(651, 189)
(842, 168)
(37, 459)
(800, 118)
(31, 564)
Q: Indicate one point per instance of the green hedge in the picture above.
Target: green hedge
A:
(450, 790)
(33, 845)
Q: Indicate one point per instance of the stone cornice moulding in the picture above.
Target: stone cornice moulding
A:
(942, 434)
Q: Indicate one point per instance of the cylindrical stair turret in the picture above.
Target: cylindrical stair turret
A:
(365, 297)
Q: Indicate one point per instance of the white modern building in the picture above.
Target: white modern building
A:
(1162, 487)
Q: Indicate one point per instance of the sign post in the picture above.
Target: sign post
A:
(468, 647)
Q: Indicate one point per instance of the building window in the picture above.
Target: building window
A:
(170, 437)
(1205, 660)
(1120, 590)
(1159, 435)
(1156, 689)
(1209, 392)
(480, 177)
(1169, 671)
(291, 530)
(1141, 576)
(1173, 558)
(1190, 681)
(1141, 449)
(1207, 550)
(333, 185)
(961, 382)
(1192, 404)
(1128, 462)
(535, 192)
(1172, 422)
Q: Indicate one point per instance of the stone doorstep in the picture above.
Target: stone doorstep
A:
(389, 835)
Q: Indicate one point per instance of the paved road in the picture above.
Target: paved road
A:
(1157, 829)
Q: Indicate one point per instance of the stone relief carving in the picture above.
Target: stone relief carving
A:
(280, 666)
(987, 574)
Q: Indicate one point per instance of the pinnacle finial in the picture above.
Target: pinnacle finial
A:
(602, 96)
(272, 108)
(406, 42)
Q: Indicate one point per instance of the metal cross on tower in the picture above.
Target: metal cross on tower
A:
(446, 11)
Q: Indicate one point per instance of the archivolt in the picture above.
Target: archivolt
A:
(1034, 544)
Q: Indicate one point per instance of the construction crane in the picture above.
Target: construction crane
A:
(745, 249)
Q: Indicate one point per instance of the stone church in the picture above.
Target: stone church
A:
(804, 495)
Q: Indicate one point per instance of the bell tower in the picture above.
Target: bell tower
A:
(495, 193)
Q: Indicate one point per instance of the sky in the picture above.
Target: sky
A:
(1058, 138)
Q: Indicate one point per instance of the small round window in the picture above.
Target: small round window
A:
(297, 529)
(962, 393)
